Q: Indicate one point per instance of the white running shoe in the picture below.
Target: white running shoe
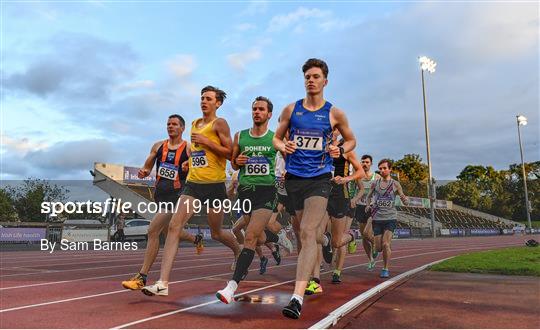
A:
(156, 289)
(284, 241)
(227, 295)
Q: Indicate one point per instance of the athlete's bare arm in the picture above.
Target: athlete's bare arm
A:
(284, 120)
(402, 196)
(358, 170)
(339, 121)
(238, 159)
(185, 165)
(368, 198)
(145, 170)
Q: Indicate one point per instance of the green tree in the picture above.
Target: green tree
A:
(28, 196)
(7, 210)
(412, 174)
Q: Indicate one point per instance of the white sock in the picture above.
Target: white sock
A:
(298, 298)
(232, 285)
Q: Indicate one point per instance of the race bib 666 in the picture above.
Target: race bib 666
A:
(257, 166)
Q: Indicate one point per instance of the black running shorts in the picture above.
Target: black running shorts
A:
(299, 188)
(338, 207)
(261, 197)
(206, 191)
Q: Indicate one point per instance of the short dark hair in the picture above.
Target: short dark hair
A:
(182, 121)
(366, 157)
(220, 95)
(387, 161)
(316, 63)
(265, 99)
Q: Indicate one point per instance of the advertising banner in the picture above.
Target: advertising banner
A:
(22, 234)
(130, 177)
(402, 233)
(485, 232)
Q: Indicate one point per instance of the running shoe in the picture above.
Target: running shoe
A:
(313, 288)
(227, 295)
(351, 247)
(336, 278)
(371, 265)
(284, 241)
(199, 243)
(264, 262)
(385, 273)
(137, 282)
(277, 255)
(292, 310)
(327, 249)
(157, 289)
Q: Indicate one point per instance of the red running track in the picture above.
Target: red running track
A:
(82, 289)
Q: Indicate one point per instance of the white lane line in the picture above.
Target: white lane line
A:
(125, 274)
(102, 267)
(91, 254)
(210, 276)
(117, 260)
(278, 284)
(114, 275)
(123, 291)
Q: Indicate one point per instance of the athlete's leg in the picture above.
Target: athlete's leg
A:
(342, 252)
(312, 218)
(296, 228)
(386, 248)
(255, 228)
(368, 247)
(215, 222)
(237, 229)
(157, 225)
(259, 251)
(176, 226)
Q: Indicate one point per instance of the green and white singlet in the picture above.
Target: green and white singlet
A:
(260, 168)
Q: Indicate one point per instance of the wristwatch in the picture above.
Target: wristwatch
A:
(341, 151)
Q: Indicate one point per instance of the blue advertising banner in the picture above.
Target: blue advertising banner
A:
(130, 177)
(22, 234)
(485, 231)
(402, 233)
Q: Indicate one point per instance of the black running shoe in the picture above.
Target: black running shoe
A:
(327, 249)
(264, 262)
(336, 278)
(292, 310)
(277, 256)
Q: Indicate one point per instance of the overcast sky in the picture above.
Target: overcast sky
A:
(95, 81)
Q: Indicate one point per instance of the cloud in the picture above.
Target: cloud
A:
(74, 67)
(136, 85)
(282, 22)
(182, 65)
(21, 145)
(244, 27)
(255, 8)
(238, 61)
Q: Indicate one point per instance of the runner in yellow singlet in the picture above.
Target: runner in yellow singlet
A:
(211, 146)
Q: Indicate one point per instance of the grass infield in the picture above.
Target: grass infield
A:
(509, 261)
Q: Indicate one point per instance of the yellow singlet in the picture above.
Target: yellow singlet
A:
(204, 165)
